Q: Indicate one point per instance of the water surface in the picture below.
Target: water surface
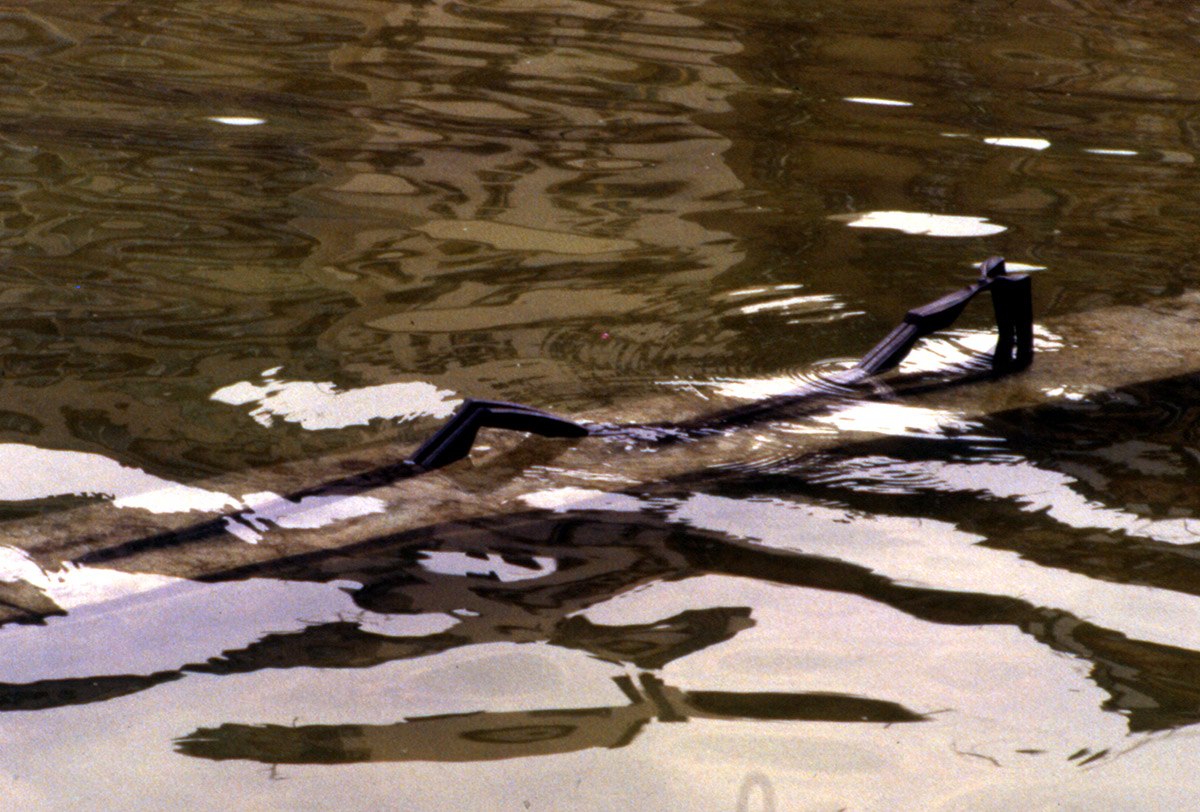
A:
(234, 236)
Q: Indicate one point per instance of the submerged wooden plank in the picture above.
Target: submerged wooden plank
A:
(362, 493)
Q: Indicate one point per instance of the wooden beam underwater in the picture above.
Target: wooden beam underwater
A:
(317, 505)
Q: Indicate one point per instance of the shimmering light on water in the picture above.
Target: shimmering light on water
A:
(238, 121)
(1037, 144)
(796, 303)
(880, 102)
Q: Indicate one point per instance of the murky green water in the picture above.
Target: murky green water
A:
(246, 245)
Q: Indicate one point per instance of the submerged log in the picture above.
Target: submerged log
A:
(346, 497)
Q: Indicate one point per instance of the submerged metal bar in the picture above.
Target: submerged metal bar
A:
(1012, 298)
(1011, 302)
(454, 440)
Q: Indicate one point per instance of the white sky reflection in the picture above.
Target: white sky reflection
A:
(46, 473)
(268, 510)
(42, 473)
(106, 634)
(934, 553)
(456, 563)
(817, 301)
(319, 405)
(930, 225)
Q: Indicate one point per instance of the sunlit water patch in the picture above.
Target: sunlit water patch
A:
(895, 419)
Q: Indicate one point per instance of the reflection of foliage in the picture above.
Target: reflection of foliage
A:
(57, 693)
(653, 645)
(600, 555)
(485, 736)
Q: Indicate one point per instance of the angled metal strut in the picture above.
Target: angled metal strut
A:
(1012, 303)
(454, 440)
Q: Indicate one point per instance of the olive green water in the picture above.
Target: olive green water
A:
(234, 234)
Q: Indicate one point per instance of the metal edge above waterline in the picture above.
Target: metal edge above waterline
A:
(1080, 353)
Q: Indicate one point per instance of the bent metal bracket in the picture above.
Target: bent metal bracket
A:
(1011, 301)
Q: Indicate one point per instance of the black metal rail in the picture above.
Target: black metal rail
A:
(1012, 303)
